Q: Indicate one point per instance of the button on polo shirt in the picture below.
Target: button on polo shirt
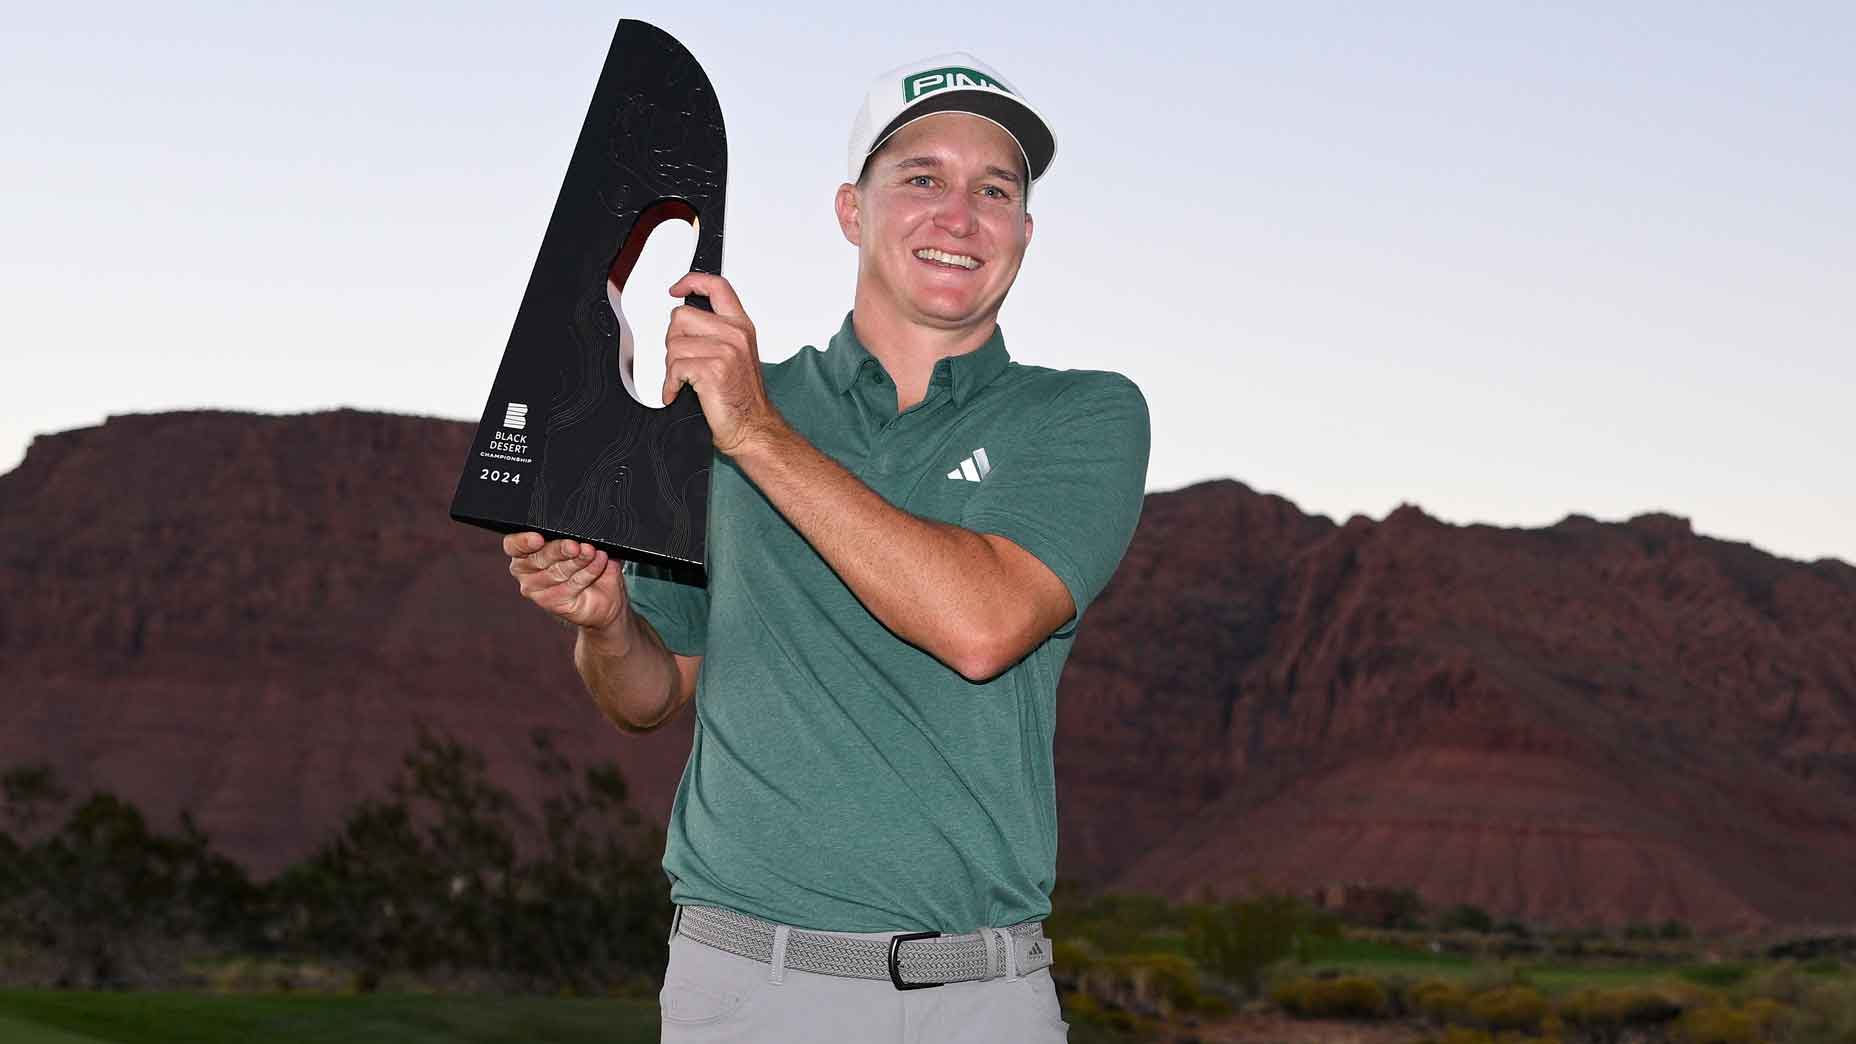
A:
(841, 778)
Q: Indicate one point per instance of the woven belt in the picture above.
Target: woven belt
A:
(910, 960)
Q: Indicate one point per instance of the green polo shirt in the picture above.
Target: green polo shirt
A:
(841, 778)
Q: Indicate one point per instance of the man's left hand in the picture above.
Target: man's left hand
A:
(716, 354)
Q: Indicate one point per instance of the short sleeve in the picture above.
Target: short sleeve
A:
(1074, 502)
(678, 612)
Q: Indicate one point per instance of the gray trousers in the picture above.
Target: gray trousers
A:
(711, 996)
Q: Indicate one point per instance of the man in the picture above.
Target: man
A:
(904, 532)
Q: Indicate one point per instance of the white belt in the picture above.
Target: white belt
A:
(910, 960)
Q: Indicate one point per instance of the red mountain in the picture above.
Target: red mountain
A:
(251, 616)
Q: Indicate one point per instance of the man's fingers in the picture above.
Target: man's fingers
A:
(688, 322)
(607, 583)
(515, 545)
(721, 295)
(584, 576)
(547, 555)
(537, 583)
(690, 369)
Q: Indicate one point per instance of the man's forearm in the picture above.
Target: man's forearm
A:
(938, 586)
(631, 675)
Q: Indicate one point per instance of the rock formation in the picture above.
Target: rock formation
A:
(251, 616)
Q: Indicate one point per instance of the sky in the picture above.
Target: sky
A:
(1507, 262)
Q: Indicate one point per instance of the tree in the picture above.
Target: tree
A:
(453, 873)
(1237, 941)
(1466, 918)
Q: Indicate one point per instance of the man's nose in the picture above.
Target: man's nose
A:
(956, 214)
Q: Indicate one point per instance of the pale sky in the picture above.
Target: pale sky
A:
(1504, 261)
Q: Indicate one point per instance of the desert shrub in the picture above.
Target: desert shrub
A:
(1465, 918)
(1439, 1000)
(1113, 922)
(1605, 1015)
(1156, 984)
(1237, 941)
(1780, 982)
(1071, 957)
(1768, 1016)
(1673, 929)
(1169, 982)
(250, 974)
(1717, 1024)
(1822, 966)
(1085, 1009)
(1350, 996)
(1293, 994)
(1344, 997)
(1827, 1015)
(1509, 1008)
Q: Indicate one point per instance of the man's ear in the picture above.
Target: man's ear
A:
(850, 213)
(1027, 228)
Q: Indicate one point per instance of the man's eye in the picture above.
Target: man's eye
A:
(922, 180)
(996, 192)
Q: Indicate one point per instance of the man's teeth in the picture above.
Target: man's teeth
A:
(931, 254)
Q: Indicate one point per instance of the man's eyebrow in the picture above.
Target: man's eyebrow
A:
(914, 162)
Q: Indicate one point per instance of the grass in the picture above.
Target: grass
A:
(13, 1031)
(1385, 959)
(75, 1017)
(56, 1017)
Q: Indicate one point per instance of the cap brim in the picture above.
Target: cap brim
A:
(1024, 125)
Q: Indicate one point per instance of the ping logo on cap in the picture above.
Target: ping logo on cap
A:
(940, 79)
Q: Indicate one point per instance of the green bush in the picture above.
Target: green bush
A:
(1717, 1024)
(1071, 958)
(1084, 1009)
(1604, 1014)
(1237, 941)
(1439, 1000)
(1509, 1008)
(1157, 984)
(1113, 922)
(1169, 982)
(1466, 918)
(1781, 983)
(1827, 1014)
(1345, 997)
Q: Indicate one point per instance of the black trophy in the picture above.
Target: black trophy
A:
(563, 447)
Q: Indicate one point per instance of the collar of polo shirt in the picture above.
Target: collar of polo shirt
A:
(968, 373)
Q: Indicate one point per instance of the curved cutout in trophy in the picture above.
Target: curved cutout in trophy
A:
(564, 447)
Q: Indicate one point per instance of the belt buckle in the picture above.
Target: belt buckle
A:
(895, 973)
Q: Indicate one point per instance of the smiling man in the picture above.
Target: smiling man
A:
(905, 531)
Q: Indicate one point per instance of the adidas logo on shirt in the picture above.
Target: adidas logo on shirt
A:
(972, 469)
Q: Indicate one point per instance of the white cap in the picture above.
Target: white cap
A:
(955, 82)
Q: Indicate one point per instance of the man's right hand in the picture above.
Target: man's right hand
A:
(571, 579)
